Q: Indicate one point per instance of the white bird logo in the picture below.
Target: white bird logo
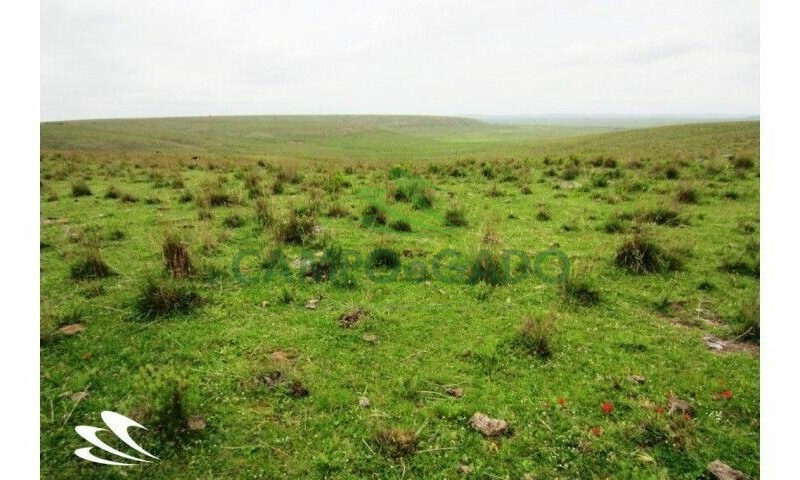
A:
(118, 424)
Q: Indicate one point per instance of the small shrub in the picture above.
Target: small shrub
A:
(277, 187)
(90, 266)
(535, 336)
(152, 200)
(400, 226)
(166, 297)
(455, 217)
(176, 256)
(641, 255)
(373, 215)
(80, 189)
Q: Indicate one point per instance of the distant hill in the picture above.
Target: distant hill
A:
(377, 137)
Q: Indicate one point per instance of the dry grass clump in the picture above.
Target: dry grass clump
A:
(535, 336)
(176, 256)
(397, 442)
(295, 229)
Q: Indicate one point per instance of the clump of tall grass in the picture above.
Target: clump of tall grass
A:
(81, 189)
(175, 253)
(687, 194)
(112, 192)
(400, 226)
(295, 229)
(535, 336)
(166, 297)
(382, 257)
(90, 266)
(265, 214)
(580, 291)
(373, 215)
(662, 216)
(747, 322)
(455, 217)
(640, 254)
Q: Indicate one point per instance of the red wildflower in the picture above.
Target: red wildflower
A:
(726, 394)
(597, 431)
(562, 401)
(607, 407)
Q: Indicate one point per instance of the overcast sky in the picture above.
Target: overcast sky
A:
(108, 58)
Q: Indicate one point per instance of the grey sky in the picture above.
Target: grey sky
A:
(109, 58)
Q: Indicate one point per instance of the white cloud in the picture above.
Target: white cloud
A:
(162, 58)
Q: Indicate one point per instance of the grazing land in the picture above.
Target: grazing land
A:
(352, 355)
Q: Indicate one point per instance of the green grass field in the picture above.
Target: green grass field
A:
(264, 380)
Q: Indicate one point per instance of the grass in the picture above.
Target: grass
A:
(215, 341)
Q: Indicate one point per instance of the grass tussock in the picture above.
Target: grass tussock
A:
(90, 266)
(687, 194)
(400, 226)
(455, 217)
(265, 214)
(640, 255)
(175, 253)
(81, 189)
(373, 215)
(396, 442)
(747, 322)
(535, 336)
(166, 297)
(383, 258)
(295, 229)
(581, 292)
